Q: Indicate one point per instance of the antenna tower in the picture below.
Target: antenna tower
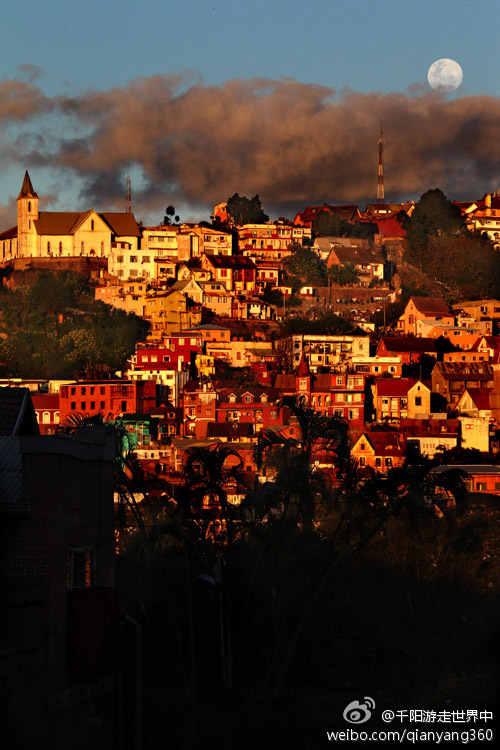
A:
(380, 185)
(128, 199)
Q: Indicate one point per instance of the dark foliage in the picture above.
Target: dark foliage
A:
(55, 326)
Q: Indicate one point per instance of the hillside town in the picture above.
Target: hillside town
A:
(218, 366)
(297, 362)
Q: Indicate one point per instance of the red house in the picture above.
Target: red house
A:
(109, 397)
(408, 348)
(47, 411)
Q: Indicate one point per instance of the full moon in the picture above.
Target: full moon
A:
(445, 75)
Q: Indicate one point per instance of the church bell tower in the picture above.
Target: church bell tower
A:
(27, 214)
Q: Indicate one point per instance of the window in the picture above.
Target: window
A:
(73, 406)
(124, 406)
(133, 258)
(378, 462)
(418, 401)
(92, 405)
(48, 247)
(81, 568)
(83, 405)
(388, 462)
(83, 391)
(119, 258)
(92, 225)
(46, 417)
(73, 391)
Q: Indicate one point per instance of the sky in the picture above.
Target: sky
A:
(200, 99)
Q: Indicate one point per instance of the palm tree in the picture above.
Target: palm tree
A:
(210, 473)
(302, 465)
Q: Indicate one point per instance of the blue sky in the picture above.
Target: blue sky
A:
(72, 50)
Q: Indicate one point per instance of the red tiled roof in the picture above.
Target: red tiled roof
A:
(480, 397)
(408, 344)
(387, 443)
(394, 386)
(431, 305)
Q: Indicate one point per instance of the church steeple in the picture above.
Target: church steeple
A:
(27, 215)
(303, 376)
(27, 188)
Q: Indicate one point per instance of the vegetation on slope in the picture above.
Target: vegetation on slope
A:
(55, 326)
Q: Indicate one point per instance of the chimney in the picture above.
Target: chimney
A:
(487, 203)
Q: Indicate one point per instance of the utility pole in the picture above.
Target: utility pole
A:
(380, 185)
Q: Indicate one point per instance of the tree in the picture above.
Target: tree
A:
(244, 210)
(305, 266)
(329, 224)
(343, 275)
(209, 474)
(299, 483)
(169, 213)
(433, 216)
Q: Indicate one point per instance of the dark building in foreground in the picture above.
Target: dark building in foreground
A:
(59, 622)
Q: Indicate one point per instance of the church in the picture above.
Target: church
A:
(63, 234)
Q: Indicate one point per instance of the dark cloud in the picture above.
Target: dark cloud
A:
(292, 143)
(21, 101)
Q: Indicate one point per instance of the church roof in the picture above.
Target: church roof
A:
(122, 224)
(9, 234)
(67, 222)
(27, 188)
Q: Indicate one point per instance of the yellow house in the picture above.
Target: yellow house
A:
(430, 309)
(169, 312)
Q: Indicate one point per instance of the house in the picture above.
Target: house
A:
(237, 273)
(271, 241)
(170, 311)
(46, 407)
(431, 436)
(209, 332)
(381, 451)
(430, 309)
(479, 477)
(111, 398)
(409, 349)
(323, 349)
(306, 218)
(475, 402)
(338, 394)
(483, 217)
(58, 234)
(475, 433)
(260, 406)
(251, 308)
(399, 398)
(60, 615)
(377, 365)
(189, 288)
(216, 298)
(199, 401)
(450, 379)
(367, 261)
